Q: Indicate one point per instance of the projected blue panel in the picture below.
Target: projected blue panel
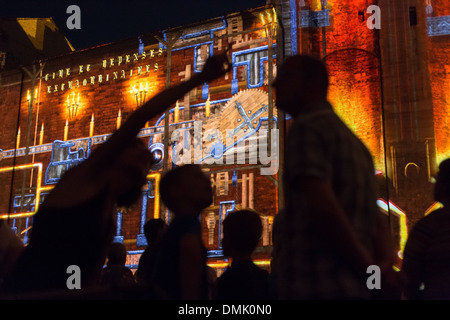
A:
(438, 26)
(314, 19)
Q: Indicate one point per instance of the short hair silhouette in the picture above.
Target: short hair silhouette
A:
(311, 71)
(243, 228)
(117, 254)
(152, 229)
(186, 189)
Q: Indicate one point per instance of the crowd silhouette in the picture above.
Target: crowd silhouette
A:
(324, 239)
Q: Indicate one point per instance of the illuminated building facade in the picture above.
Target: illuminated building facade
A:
(390, 85)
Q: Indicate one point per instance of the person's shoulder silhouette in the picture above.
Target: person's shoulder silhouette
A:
(426, 258)
(242, 280)
(180, 271)
(154, 230)
(116, 273)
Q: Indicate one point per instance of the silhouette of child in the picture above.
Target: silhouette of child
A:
(154, 230)
(243, 280)
(11, 247)
(180, 271)
(116, 273)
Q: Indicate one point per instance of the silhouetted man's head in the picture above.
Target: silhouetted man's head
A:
(300, 80)
(154, 230)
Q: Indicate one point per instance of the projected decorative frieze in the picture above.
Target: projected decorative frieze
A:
(438, 26)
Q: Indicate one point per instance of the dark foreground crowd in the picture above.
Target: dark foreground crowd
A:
(326, 238)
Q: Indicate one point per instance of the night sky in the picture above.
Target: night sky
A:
(105, 21)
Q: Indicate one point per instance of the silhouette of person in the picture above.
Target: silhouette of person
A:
(154, 230)
(74, 225)
(211, 275)
(116, 274)
(277, 242)
(426, 258)
(243, 280)
(180, 271)
(330, 220)
(11, 247)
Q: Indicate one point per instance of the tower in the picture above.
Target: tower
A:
(408, 106)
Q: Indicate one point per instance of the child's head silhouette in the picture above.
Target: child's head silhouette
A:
(241, 233)
(186, 190)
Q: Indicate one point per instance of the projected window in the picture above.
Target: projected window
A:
(252, 61)
(202, 53)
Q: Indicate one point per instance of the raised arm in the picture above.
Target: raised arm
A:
(93, 173)
(214, 67)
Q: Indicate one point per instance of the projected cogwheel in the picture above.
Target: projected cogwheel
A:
(239, 119)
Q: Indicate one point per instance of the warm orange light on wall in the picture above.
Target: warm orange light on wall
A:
(73, 103)
(352, 109)
(18, 139)
(315, 5)
(41, 134)
(268, 19)
(224, 264)
(433, 207)
(139, 91)
(66, 130)
(355, 92)
(29, 95)
(38, 190)
(91, 126)
(156, 177)
(176, 113)
(208, 107)
(119, 119)
(441, 109)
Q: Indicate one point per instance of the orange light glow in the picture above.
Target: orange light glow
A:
(176, 113)
(355, 92)
(38, 190)
(18, 139)
(119, 119)
(208, 107)
(72, 105)
(224, 264)
(91, 126)
(363, 121)
(441, 109)
(41, 135)
(315, 5)
(139, 91)
(156, 177)
(433, 207)
(66, 130)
